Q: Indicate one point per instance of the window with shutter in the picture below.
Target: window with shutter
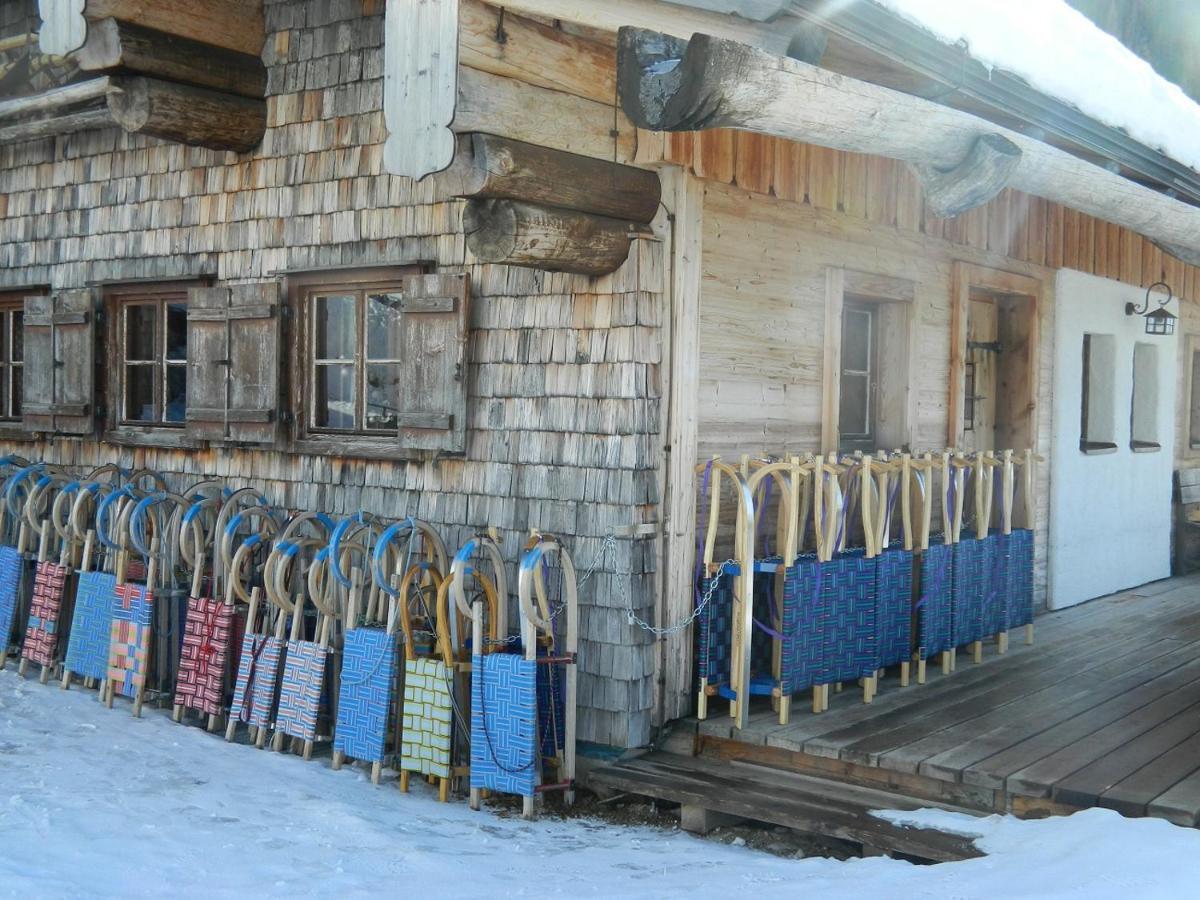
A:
(58, 370)
(380, 363)
(147, 374)
(233, 369)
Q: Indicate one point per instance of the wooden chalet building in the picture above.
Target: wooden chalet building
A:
(230, 245)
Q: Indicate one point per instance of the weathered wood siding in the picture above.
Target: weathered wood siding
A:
(563, 375)
(762, 325)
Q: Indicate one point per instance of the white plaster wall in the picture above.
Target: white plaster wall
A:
(1110, 514)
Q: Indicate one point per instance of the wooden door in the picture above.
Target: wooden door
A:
(982, 363)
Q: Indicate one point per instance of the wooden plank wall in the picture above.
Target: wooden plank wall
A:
(884, 192)
(762, 325)
(564, 376)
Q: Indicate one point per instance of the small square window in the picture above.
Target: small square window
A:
(354, 359)
(148, 340)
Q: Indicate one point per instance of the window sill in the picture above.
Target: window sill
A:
(1145, 446)
(151, 437)
(12, 431)
(383, 448)
(1097, 448)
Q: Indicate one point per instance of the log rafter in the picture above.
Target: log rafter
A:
(669, 84)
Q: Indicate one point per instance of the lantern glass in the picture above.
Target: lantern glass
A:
(1160, 321)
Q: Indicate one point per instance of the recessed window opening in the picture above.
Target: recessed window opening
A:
(1097, 420)
(1143, 411)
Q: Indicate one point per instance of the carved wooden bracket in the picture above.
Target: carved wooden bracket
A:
(420, 85)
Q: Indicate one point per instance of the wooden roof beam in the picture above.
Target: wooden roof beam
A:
(162, 109)
(669, 84)
(113, 44)
(678, 19)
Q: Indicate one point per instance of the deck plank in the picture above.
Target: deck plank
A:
(1157, 700)
(995, 771)
(865, 741)
(1132, 796)
(1039, 713)
(1112, 621)
(1180, 803)
(1085, 786)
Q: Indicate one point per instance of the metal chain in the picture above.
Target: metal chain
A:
(610, 542)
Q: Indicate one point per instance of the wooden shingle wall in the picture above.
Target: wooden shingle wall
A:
(564, 371)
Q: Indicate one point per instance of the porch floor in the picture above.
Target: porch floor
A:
(1102, 710)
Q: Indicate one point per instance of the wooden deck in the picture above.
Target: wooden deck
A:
(1103, 710)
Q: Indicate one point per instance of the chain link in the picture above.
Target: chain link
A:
(610, 543)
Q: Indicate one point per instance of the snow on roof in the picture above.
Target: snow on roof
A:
(1060, 52)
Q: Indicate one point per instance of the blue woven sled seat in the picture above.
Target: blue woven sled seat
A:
(893, 606)
(1019, 577)
(935, 589)
(714, 631)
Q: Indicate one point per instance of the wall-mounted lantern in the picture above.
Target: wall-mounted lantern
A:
(1160, 320)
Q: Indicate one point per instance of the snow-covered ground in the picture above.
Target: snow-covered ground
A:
(96, 803)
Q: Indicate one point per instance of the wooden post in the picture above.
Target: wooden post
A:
(870, 534)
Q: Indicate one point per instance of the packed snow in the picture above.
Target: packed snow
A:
(1062, 53)
(96, 803)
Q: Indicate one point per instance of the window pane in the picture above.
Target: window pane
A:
(383, 326)
(18, 336)
(139, 393)
(4, 322)
(140, 331)
(856, 340)
(854, 406)
(333, 403)
(383, 391)
(334, 326)
(176, 331)
(176, 408)
(17, 373)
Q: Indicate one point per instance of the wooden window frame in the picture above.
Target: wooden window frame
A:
(12, 301)
(116, 300)
(1187, 448)
(301, 289)
(842, 285)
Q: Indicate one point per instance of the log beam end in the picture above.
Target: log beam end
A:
(513, 233)
(665, 83)
(188, 115)
(983, 173)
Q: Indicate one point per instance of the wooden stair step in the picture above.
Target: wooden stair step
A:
(813, 805)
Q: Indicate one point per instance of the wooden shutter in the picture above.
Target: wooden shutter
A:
(234, 337)
(433, 376)
(59, 379)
